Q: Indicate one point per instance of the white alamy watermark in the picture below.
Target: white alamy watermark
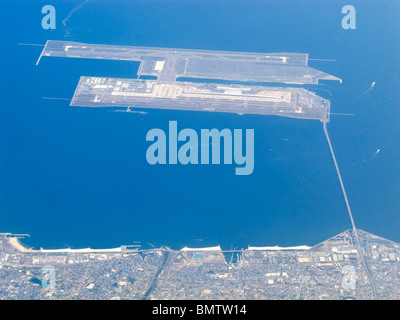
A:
(349, 20)
(189, 153)
(49, 20)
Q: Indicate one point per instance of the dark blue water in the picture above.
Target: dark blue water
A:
(79, 177)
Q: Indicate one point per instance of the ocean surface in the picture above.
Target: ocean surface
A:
(78, 177)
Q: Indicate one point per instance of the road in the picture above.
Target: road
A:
(155, 279)
(358, 244)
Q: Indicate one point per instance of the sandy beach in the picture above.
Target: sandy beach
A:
(17, 245)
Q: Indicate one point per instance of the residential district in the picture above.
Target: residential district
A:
(329, 270)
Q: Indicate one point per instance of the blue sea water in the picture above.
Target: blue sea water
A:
(79, 177)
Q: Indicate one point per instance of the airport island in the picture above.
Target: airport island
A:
(200, 80)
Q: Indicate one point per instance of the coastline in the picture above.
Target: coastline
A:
(14, 241)
(16, 244)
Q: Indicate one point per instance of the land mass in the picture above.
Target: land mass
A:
(329, 270)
